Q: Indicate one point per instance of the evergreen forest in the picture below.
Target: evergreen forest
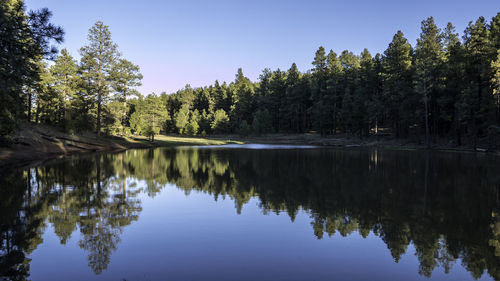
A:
(444, 86)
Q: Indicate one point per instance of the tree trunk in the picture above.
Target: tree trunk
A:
(153, 130)
(298, 120)
(334, 118)
(37, 114)
(458, 131)
(99, 114)
(498, 108)
(426, 179)
(478, 107)
(426, 104)
(124, 116)
(29, 105)
(64, 107)
(427, 139)
(99, 87)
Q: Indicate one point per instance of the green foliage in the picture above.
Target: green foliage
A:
(77, 97)
(319, 62)
(192, 128)
(244, 129)
(65, 84)
(220, 124)
(25, 40)
(125, 77)
(182, 118)
(478, 75)
(49, 102)
(399, 95)
(495, 65)
(116, 110)
(149, 116)
(262, 122)
(205, 121)
(244, 103)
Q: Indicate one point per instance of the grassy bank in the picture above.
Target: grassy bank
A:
(163, 140)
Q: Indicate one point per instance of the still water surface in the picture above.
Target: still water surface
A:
(253, 213)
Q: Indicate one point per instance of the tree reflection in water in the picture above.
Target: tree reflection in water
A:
(446, 204)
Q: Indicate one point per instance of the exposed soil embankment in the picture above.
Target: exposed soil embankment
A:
(37, 142)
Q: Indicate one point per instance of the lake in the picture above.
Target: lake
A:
(253, 213)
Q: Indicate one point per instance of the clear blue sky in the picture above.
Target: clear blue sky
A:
(196, 42)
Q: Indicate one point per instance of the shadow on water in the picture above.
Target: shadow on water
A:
(446, 204)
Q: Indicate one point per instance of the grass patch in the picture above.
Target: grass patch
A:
(163, 140)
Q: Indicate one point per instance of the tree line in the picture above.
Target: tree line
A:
(445, 86)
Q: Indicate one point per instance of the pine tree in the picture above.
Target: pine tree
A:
(48, 100)
(244, 104)
(182, 118)
(98, 58)
(334, 88)
(477, 91)
(350, 64)
(263, 93)
(319, 61)
(149, 117)
(293, 103)
(278, 91)
(451, 103)
(262, 122)
(429, 58)
(377, 101)
(397, 74)
(494, 32)
(125, 77)
(193, 125)
(64, 73)
(318, 89)
(366, 90)
(203, 99)
(220, 124)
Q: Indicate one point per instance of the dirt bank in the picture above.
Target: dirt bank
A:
(37, 142)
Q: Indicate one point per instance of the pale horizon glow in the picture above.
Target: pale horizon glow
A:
(197, 42)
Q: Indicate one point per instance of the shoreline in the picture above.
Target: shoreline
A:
(35, 143)
(39, 143)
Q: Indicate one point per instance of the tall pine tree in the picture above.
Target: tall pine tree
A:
(98, 58)
(429, 58)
